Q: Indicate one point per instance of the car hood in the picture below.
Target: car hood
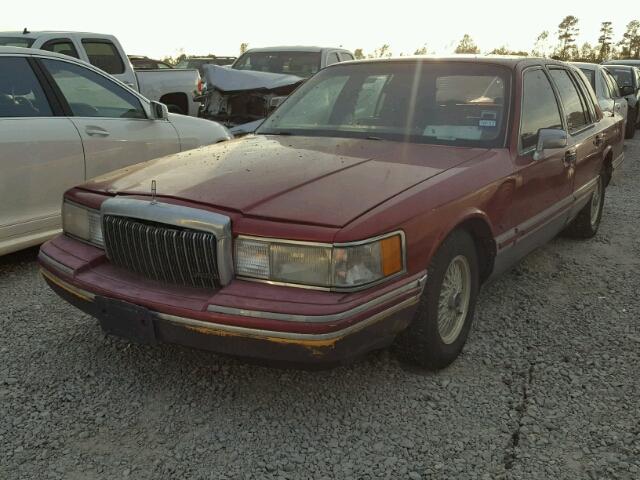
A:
(229, 80)
(311, 180)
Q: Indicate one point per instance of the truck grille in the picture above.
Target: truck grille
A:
(162, 252)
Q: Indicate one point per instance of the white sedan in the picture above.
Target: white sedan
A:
(62, 122)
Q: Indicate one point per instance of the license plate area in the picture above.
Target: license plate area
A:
(126, 320)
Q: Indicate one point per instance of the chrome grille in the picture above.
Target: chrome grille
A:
(162, 252)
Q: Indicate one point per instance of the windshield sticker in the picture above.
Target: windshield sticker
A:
(487, 123)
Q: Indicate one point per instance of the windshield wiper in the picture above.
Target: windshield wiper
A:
(373, 137)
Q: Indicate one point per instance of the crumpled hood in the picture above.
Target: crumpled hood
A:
(227, 79)
(310, 180)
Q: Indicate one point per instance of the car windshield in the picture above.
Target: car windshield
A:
(302, 64)
(445, 103)
(16, 42)
(591, 76)
(622, 75)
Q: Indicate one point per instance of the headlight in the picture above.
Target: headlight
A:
(83, 223)
(336, 267)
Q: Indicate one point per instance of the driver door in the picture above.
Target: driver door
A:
(111, 120)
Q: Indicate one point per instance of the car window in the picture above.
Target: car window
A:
(606, 88)
(16, 42)
(443, 103)
(302, 64)
(333, 58)
(587, 95)
(20, 92)
(623, 76)
(345, 56)
(539, 108)
(574, 109)
(104, 55)
(614, 89)
(591, 76)
(90, 94)
(63, 46)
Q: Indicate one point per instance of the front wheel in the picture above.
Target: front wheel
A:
(587, 222)
(441, 324)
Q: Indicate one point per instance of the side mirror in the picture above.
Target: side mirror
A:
(627, 90)
(549, 139)
(159, 111)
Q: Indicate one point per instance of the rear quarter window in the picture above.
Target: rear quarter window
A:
(104, 55)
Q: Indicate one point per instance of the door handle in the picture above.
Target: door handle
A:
(94, 131)
(570, 157)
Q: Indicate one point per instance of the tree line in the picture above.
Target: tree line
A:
(565, 47)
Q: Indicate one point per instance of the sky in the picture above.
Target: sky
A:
(198, 27)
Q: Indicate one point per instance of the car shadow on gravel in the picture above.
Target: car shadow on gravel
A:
(19, 258)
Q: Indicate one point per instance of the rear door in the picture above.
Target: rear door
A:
(586, 133)
(542, 195)
(111, 120)
(40, 154)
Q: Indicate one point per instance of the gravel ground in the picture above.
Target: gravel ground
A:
(547, 386)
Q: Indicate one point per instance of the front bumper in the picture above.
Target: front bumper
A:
(248, 328)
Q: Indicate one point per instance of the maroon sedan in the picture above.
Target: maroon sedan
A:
(368, 209)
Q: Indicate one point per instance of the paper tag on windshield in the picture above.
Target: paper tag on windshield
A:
(487, 123)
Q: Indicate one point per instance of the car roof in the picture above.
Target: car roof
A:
(628, 62)
(509, 61)
(587, 65)
(36, 34)
(35, 51)
(294, 48)
(622, 65)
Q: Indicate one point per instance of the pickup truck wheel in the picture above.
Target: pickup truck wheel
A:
(630, 131)
(441, 324)
(586, 224)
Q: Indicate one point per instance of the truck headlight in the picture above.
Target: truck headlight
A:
(83, 223)
(332, 267)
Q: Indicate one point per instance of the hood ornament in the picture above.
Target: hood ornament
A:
(153, 192)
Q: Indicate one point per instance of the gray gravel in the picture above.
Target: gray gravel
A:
(547, 387)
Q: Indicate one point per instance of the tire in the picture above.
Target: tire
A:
(586, 223)
(630, 131)
(424, 343)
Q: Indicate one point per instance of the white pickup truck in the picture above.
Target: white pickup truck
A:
(174, 88)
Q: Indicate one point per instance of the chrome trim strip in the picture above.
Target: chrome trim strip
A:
(184, 217)
(272, 334)
(55, 264)
(335, 317)
(330, 246)
(548, 214)
(70, 288)
(253, 332)
(586, 188)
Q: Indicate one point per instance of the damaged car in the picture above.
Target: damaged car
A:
(260, 80)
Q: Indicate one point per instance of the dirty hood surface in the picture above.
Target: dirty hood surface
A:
(229, 80)
(310, 180)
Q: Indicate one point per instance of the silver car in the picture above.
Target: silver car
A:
(606, 88)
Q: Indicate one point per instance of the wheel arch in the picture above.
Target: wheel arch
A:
(478, 225)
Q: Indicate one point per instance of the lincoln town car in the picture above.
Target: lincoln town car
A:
(366, 212)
